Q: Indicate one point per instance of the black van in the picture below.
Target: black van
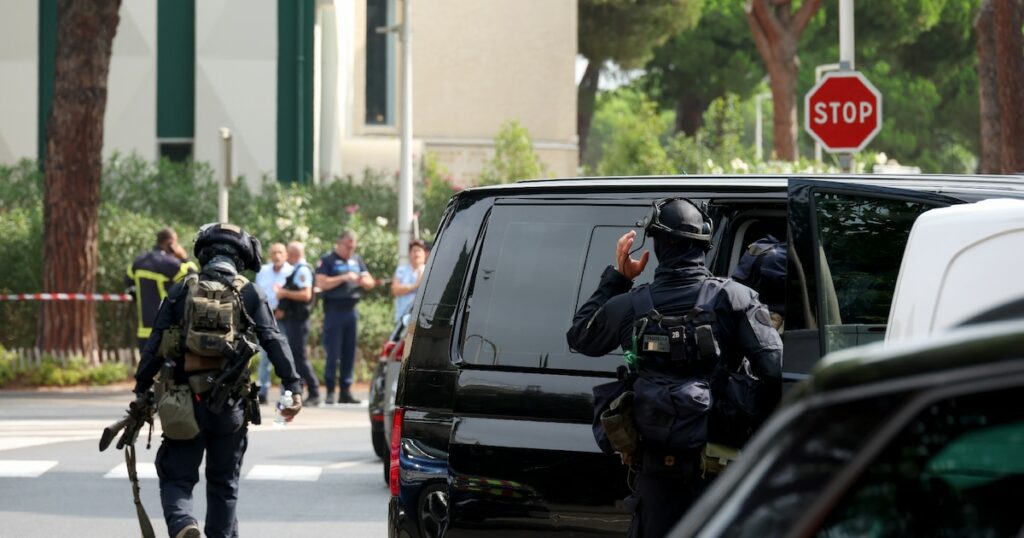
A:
(492, 424)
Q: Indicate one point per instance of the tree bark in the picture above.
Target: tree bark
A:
(689, 113)
(776, 31)
(74, 144)
(1010, 77)
(585, 96)
(990, 160)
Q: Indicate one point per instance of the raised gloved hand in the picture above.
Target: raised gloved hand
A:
(289, 412)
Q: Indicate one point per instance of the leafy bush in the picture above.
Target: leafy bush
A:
(514, 158)
(437, 191)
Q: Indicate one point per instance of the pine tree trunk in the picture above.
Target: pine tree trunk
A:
(689, 113)
(74, 144)
(585, 97)
(1010, 75)
(990, 160)
(784, 118)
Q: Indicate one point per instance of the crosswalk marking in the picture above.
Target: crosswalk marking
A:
(145, 470)
(299, 473)
(25, 468)
(347, 464)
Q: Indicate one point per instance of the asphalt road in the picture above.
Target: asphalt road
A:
(315, 477)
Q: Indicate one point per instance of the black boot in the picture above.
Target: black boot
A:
(346, 397)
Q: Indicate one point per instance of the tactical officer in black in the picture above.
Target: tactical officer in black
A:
(669, 481)
(223, 250)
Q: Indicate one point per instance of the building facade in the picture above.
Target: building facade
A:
(310, 89)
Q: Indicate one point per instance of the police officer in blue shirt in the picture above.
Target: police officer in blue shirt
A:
(295, 307)
(669, 481)
(342, 276)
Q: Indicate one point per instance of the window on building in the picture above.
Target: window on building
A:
(379, 63)
(179, 151)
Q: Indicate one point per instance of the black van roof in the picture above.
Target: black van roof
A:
(968, 186)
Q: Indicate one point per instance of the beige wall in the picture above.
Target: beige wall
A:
(19, 71)
(476, 65)
(480, 63)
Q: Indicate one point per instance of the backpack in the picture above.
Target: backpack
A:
(712, 401)
(298, 310)
(213, 315)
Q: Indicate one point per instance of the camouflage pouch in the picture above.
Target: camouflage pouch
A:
(715, 458)
(170, 343)
(177, 416)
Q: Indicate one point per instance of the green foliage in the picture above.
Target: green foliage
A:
(514, 158)
(625, 31)
(437, 191)
(627, 134)
(22, 186)
(50, 372)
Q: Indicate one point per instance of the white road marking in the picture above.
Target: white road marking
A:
(297, 473)
(348, 464)
(145, 470)
(25, 468)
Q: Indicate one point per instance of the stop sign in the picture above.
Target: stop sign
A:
(843, 112)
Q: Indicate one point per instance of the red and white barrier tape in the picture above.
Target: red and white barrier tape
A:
(116, 297)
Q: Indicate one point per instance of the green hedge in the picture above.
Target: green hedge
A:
(51, 373)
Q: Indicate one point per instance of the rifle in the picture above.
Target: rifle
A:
(230, 378)
(140, 412)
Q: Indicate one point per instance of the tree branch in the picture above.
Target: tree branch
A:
(767, 19)
(760, 38)
(803, 16)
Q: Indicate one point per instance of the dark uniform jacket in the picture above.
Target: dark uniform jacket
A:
(742, 327)
(152, 273)
(346, 295)
(172, 312)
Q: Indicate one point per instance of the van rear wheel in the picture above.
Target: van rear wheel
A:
(433, 510)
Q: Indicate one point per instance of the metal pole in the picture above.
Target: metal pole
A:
(405, 178)
(225, 182)
(759, 127)
(846, 59)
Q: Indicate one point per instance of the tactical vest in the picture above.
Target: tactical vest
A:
(685, 394)
(298, 310)
(213, 321)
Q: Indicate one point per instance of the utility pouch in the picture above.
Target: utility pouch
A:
(707, 345)
(177, 416)
(618, 424)
(201, 383)
(170, 343)
(715, 458)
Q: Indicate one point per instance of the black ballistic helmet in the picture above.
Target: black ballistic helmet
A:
(678, 218)
(228, 239)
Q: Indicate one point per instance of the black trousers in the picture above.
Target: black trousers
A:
(223, 439)
(661, 499)
(297, 332)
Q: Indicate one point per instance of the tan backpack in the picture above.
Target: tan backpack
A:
(213, 315)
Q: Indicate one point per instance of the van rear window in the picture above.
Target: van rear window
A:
(535, 264)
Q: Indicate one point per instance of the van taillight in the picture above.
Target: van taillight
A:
(397, 357)
(388, 347)
(396, 442)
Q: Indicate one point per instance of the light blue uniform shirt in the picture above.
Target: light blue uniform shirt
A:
(267, 278)
(406, 275)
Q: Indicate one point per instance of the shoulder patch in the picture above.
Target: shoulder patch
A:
(763, 317)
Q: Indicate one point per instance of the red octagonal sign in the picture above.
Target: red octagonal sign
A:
(843, 112)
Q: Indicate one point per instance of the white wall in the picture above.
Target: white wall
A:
(130, 121)
(236, 84)
(19, 101)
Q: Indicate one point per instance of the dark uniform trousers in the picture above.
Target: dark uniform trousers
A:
(297, 332)
(223, 438)
(662, 495)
